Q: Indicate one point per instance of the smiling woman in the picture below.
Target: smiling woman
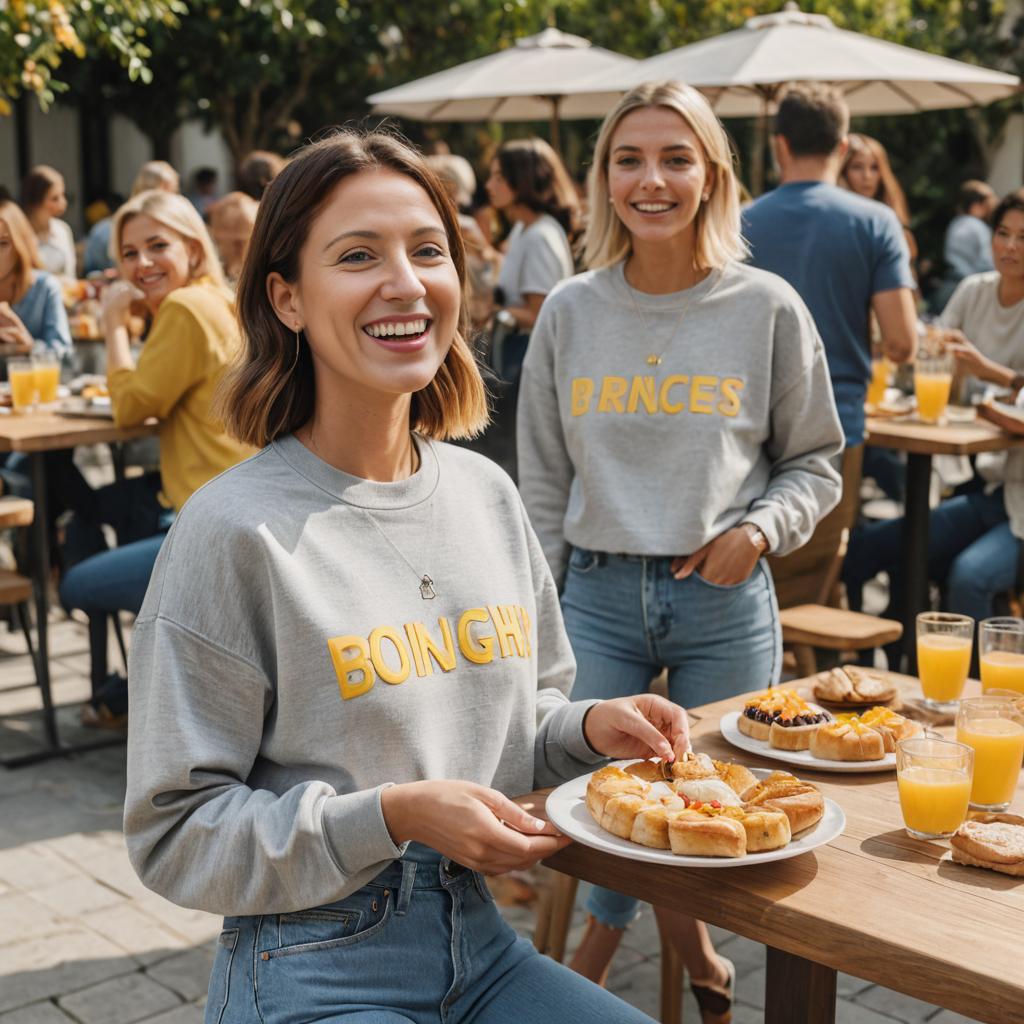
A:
(314, 750)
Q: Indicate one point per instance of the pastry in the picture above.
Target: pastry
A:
(737, 777)
(707, 790)
(700, 832)
(993, 841)
(801, 802)
(796, 723)
(893, 727)
(766, 828)
(850, 740)
(761, 712)
(693, 766)
(852, 684)
(608, 782)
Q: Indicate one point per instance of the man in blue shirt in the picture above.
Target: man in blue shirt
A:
(845, 255)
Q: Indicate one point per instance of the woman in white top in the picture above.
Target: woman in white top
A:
(529, 186)
(44, 201)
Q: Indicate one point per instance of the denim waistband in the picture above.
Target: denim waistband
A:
(422, 868)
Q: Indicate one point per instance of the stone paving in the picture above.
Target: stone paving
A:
(82, 941)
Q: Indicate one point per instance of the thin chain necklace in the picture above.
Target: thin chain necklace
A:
(656, 358)
(426, 587)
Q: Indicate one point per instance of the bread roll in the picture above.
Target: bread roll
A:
(793, 734)
(693, 766)
(693, 834)
(598, 795)
(766, 828)
(752, 727)
(847, 741)
(993, 841)
(802, 804)
(619, 814)
(737, 777)
(650, 828)
(707, 790)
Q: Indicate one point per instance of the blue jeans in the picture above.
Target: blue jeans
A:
(113, 580)
(971, 553)
(423, 943)
(627, 619)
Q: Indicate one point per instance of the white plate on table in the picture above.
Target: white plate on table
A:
(93, 408)
(567, 808)
(729, 728)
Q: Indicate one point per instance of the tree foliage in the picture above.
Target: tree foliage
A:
(37, 35)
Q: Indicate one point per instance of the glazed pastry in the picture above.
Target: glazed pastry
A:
(700, 832)
(707, 790)
(737, 777)
(848, 740)
(766, 828)
(794, 726)
(693, 766)
(801, 802)
(892, 726)
(761, 710)
(993, 841)
(852, 684)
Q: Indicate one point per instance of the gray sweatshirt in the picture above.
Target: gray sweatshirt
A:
(737, 423)
(285, 668)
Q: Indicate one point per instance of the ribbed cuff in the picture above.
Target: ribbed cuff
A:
(357, 832)
(766, 521)
(569, 734)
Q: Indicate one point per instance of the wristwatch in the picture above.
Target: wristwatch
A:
(1018, 382)
(757, 536)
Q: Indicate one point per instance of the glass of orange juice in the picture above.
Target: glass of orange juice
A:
(934, 781)
(46, 366)
(933, 378)
(944, 644)
(1001, 653)
(22, 377)
(881, 368)
(994, 728)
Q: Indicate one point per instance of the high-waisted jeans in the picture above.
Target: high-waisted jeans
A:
(423, 943)
(628, 618)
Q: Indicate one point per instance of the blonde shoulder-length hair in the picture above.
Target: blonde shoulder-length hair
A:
(26, 252)
(175, 212)
(607, 240)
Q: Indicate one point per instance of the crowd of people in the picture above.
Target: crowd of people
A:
(691, 375)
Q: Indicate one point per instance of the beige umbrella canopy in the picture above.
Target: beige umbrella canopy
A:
(743, 72)
(535, 80)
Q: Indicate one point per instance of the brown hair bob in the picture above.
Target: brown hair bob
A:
(272, 389)
(23, 238)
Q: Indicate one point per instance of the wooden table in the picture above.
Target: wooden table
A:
(37, 433)
(921, 441)
(873, 903)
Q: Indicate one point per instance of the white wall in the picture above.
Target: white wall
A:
(193, 147)
(1006, 171)
(129, 150)
(55, 142)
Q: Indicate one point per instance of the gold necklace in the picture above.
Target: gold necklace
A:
(426, 586)
(656, 358)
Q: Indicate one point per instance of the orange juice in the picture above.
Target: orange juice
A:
(998, 748)
(934, 800)
(23, 388)
(1002, 670)
(942, 663)
(879, 381)
(932, 390)
(47, 381)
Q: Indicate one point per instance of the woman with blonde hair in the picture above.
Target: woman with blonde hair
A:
(334, 695)
(44, 201)
(167, 261)
(676, 424)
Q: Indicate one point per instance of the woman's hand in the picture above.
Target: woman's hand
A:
(970, 360)
(116, 305)
(472, 825)
(13, 332)
(728, 559)
(644, 726)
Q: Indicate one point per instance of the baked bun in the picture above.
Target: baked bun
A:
(602, 786)
(706, 790)
(620, 812)
(892, 726)
(766, 828)
(993, 841)
(852, 684)
(693, 766)
(847, 741)
(650, 827)
(795, 726)
(801, 802)
(696, 833)
(737, 777)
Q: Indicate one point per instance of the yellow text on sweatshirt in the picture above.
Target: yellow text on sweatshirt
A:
(703, 394)
(392, 654)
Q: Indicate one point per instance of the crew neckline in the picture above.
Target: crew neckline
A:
(354, 490)
(667, 301)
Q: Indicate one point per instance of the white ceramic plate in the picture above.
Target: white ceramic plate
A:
(800, 758)
(567, 809)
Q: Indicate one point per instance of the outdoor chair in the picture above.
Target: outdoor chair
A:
(15, 589)
(807, 586)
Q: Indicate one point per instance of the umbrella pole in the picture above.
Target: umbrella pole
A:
(760, 145)
(556, 144)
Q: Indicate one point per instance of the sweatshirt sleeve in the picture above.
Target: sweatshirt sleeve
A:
(545, 468)
(805, 434)
(561, 752)
(196, 833)
(173, 359)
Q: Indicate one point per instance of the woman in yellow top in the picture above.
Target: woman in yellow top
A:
(167, 261)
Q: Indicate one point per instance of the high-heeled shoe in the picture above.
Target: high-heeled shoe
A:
(715, 1001)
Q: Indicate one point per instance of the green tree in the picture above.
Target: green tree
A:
(36, 36)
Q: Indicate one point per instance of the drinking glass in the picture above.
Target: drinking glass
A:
(934, 781)
(22, 377)
(47, 374)
(933, 378)
(1001, 654)
(944, 644)
(994, 728)
(881, 368)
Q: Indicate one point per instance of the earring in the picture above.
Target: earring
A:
(295, 361)
(706, 196)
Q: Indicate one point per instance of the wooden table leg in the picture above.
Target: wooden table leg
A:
(914, 598)
(798, 991)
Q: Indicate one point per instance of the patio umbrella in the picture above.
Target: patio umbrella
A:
(532, 81)
(743, 72)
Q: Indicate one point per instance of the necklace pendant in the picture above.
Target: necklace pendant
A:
(653, 360)
(427, 588)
